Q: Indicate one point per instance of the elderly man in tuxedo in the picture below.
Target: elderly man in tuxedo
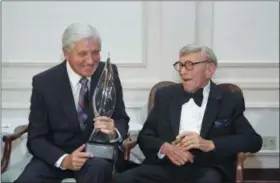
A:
(195, 129)
(61, 118)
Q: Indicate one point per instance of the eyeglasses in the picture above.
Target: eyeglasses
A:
(188, 65)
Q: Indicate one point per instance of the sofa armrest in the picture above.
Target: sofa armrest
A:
(8, 139)
(129, 143)
(241, 157)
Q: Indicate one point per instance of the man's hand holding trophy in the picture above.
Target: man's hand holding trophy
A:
(105, 125)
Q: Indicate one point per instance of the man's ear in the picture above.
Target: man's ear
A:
(65, 54)
(211, 69)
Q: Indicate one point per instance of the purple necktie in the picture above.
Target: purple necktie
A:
(83, 102)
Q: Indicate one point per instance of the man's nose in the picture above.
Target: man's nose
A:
(183, 70)
(89, 59)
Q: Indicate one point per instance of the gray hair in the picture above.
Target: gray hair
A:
(192, 48)
(76, 32)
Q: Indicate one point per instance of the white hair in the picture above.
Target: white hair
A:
(193, 48)
(77, 32)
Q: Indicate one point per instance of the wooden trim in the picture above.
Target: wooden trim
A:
(264, 175)
(261, 181)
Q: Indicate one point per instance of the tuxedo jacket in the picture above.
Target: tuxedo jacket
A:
(224, 123)
(54, 128)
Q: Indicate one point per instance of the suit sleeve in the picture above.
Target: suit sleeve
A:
(148, 139)
(38, 129)
(120, 116)
(244, 138)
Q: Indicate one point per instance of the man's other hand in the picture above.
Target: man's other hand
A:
(192, 140)
(76, 159)
(176, 155)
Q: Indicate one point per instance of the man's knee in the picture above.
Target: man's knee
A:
(100, 167)
(140, 174)
(28, 176)
(125, 177)
(95, 170)
(37, 171)
(210, 176)
(25, 178)
(99, 164)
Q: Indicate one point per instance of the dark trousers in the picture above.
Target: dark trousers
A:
(170, 173)
(95, 170)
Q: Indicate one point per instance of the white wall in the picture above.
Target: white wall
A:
(143, 39)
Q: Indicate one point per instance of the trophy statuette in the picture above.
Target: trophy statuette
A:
(103, 102)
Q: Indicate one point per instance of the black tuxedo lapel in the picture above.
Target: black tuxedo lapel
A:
(211, 110)
(66, 96)
(175, 110)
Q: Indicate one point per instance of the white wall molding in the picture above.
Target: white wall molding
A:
(262, 105)
(204, 23)
(142, 106)
(265, 153)
(250, 84)
(49, 64)
(249, 63)
(138, 106)
(130, 105)
(221, 63)
(129, 85)
(145, 44)
(147, 85)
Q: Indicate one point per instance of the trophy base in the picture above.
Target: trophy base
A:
(102, 150)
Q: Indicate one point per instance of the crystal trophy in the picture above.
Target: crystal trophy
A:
(103, 102)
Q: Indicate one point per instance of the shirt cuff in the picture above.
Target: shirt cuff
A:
(59, 162)
(160, 154)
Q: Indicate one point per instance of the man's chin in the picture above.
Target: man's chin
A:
(188, 85)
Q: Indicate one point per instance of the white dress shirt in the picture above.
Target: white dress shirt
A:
(76, 87)
(192, 114)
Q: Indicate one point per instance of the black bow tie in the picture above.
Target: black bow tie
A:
(197, 96)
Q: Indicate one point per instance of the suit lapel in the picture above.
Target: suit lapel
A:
(66, 97)
(211, 110)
